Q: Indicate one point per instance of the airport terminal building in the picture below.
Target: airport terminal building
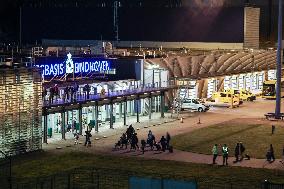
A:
(104, 82)
(107, 93)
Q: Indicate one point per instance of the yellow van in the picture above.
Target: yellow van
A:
(226, 97)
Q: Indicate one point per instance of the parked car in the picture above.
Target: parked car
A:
(192, 104)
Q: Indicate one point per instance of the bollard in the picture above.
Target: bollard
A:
(181, 119)
(199, 121)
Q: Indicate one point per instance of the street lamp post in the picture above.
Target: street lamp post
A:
(174, 64)
(278, 72)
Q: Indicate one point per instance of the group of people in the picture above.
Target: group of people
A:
(130, 137)
(88, 136)
(239, 153)
(71, 93)
(225, 153)
(53, 93)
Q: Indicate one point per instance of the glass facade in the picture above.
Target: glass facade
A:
(72, 118)
(20, 110)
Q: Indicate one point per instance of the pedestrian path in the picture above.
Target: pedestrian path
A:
(190, 157)
(110, 134)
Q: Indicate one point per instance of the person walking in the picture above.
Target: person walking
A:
(88, 91)
(163, 142)
(168, 139)
(134, 142)
(71, 93)
(215, 153)
(271, 150)
(150, 139)
(143, 145)
(124, 141)
(242, 150)
(150, 134)
(51, 95)
(76, 138)
(66, 94)
(88, 138)
(237, 152)
(225, 153)
(56, 92)
(129, 133)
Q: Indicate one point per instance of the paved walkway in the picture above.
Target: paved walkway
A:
(159, 128)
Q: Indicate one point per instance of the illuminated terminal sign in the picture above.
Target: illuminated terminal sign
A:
(51, 67)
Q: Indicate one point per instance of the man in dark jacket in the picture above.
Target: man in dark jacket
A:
(168, 138)
(129, 133)
(134, 142)
(237, 152)
(51, 95)
(66, 93)
(56, 91)
(163, 142)
(242, 150)
(88, 90)
(143, 145)
(88, 138)
(225, 153)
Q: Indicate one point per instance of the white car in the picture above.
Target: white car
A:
(193, 104)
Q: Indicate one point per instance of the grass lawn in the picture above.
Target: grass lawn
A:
(255, 136)
(44, 164)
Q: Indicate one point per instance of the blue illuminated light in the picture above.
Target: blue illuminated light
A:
(69, 64)
(59, 67)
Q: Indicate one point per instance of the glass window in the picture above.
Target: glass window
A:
(268, 90)
(195, 101)
(223, 95)
(186, 101)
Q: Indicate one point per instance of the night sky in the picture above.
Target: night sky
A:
(205, 11)
(135, 24)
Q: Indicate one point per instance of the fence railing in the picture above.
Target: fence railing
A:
(105, 178)
(269, 185)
